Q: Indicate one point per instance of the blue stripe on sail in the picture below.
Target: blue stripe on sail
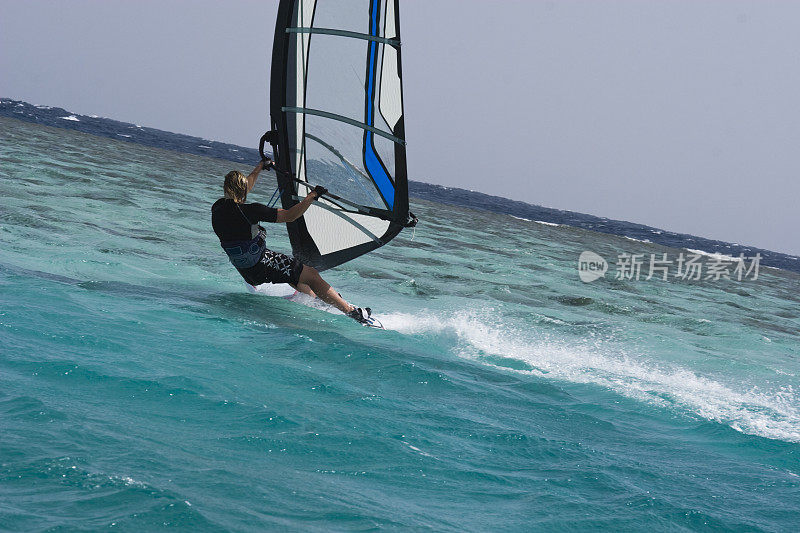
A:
(373, 164)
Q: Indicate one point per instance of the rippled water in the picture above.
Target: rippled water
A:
(142, 387)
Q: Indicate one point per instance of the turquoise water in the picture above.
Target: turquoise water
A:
(143, 388)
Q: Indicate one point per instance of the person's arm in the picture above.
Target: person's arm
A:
(251, 179)
(297, 210)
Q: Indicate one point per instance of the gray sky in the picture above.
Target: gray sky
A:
(679, 114)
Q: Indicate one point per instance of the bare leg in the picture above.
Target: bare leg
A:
(311, 278)
(305, 289)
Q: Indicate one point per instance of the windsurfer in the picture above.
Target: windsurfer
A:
(236, 224)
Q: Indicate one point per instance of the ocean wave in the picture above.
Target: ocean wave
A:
(769, 413)
(713, 255)
(638, 240)
(542, 222)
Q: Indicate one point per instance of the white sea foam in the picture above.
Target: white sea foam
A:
(123, 135)
(720, 257)
(637, 240)
(417, 450)
(283, 290)
(521, 218)
(71, 117)
(280, 290)
(203, 146)
(546, 223)
(773, 414)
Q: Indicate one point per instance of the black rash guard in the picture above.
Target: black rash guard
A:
(235, 223)
(237, 227)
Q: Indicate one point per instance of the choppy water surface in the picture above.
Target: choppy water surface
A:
(142, 387)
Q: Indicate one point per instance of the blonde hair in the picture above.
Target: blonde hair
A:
(235, 186)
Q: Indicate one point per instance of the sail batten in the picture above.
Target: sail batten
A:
(334, 116)
(337, 110)
(345, 33)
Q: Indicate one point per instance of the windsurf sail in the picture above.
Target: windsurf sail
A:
(336, 106)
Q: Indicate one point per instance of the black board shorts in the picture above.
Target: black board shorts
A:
(274, 267)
